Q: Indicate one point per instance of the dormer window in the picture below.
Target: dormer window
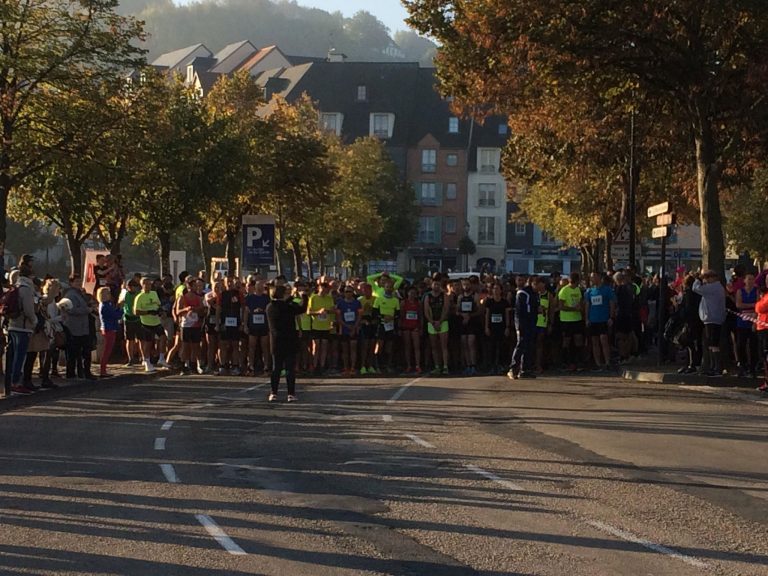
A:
(190, 74)
(331, 122)
(382, 125)
(453, 125)
(362, 93)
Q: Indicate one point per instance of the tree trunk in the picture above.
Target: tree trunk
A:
(5, 192)
(321, 260)
(297, 260)
(708, 179)
(231, 254)
(595, 256)
(310, 274)
(205, 248)
(75, 247)
(608, 258)
(164, 241)
(117, 241)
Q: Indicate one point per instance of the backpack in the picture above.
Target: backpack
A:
(10, 304)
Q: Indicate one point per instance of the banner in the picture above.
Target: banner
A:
(258, 246)
(89, 263)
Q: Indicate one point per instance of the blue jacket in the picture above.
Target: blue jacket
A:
(526, 308)
(110, 315)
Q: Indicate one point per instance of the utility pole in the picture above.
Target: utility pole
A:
(632, 191)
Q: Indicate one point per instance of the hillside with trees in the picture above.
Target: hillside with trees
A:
(298, 30)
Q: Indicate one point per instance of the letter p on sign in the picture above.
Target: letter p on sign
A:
(254, 235)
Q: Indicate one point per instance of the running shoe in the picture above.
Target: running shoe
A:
(272, 398)
(417, 371)
(446, 372)
(763, 387)
(19, 389)
(236, 372)
(511, 375)
(436, 372)
(363, 371)
(292, 398)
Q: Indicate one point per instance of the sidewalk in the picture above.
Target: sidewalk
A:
(120, 375)
(667, 374)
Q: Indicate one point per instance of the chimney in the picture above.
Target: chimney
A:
(334, 56)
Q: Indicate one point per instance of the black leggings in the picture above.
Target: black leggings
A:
(746, 345)
(284, 358)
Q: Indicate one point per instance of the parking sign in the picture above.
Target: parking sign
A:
(258, 242)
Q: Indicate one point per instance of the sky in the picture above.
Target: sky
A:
(391, 12)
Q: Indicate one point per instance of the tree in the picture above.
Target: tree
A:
(747, 214)
(703, 60)
(416, 47)
(47, 50)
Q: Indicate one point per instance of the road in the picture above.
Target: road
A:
(569, 476)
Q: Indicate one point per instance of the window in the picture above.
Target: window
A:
(520, 228)
(428, 233)
(546, 238)
(428, 160)
(331, 123)
(428, 194)
(453, 125)
(452, 160)
(190, 73)
(450, 224)
(503, 129)
(486, 230)
(486, 196)
(450, 191)
(382, 125)
(362, 93)
(489, 160)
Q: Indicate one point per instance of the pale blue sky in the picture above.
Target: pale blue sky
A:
(391, 12)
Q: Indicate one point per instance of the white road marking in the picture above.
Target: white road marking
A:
(159, 443)
(402, 390)
(219, 535)
(170, 473)
(167, 425)
(603, 527)
(252, 388)
(492, 477)
(419, 441)
(386, 417)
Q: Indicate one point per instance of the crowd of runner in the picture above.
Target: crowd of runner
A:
(519, 325)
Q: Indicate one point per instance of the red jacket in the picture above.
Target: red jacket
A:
(762, 313)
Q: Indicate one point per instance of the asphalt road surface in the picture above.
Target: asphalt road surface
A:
(197, 476)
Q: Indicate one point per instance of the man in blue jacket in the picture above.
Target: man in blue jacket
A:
(712, 313)
(526, 315)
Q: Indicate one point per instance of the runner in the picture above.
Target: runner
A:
(321, 308)
(386, 308)
(348, 321)
(411, 317)
(571, 305)
(543, 321)
(255, 318)
(469, 311)
(229, 321)
(497, 323)
(436, 311)
(131, 323)
(378, 282)
(211, 301)
(368, 329)
(304, 325)
(600, 304)
(146, 306)
(190, 310)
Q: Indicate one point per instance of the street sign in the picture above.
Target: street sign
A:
(658, 209)
(666, 219)
(660, 232)
(258, 242)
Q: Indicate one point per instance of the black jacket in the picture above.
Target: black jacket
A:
(281, 315)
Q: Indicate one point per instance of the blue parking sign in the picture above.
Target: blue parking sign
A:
(258, 242)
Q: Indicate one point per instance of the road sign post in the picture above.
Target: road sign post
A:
(258, 243)
(664, 220)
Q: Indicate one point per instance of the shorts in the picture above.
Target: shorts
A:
(368, 331)
(347, 338)
(712, 333)
(385, 335)
(230, 334)
(321, 334)
(471, 328)
(192, 335)
(598, 329)
(571, 329)
(150, 333)
(442, 330)
(132, 330)
(259, 331)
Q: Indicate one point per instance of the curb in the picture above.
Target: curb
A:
(690, 379)
(75, 388)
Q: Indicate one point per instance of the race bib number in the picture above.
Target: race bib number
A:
(349, 316)
(192, 317)
(230, 322)
(102, 282)
(466, 306)
(258, 318)
(389, 326)
(597, 300)
(412, 315)
(212, 320)
(322, 317)
(496, 318)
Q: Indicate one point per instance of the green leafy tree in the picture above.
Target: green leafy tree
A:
(47, 50)
(747, 214)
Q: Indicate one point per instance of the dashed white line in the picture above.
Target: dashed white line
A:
(170, 473)
(159, 443)
(167, 425)
(252, 388)
(386, 417)
(219, 535)
(491, 476)
(603, 527)
(419, 441)
(402, 390)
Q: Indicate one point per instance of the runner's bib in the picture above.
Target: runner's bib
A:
(350, 316)
(411, 315)
(597, 300)
(230, 322)
(466, 306)
(322, 317)
(389, 326)
(496, 318)
(258, 319)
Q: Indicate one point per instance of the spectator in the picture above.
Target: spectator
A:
(76, 325)
(22, 326)
(110, 316)
(712, 313)
(689, 313)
